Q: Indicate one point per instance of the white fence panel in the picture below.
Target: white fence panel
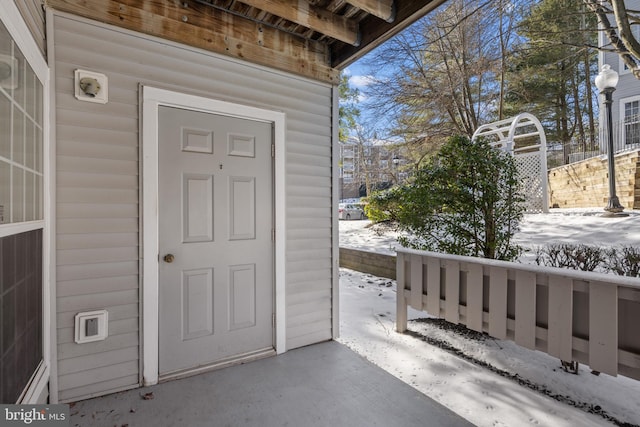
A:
(590, 318)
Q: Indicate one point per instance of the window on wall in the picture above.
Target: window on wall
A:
(21, 171)
(21, 220)
(631, 121)
(635, 30)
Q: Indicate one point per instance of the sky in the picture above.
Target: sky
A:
(358, 76)
(359, 79)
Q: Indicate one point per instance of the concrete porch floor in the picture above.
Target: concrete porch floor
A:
(325, 384)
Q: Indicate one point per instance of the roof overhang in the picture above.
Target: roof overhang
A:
(313, 38)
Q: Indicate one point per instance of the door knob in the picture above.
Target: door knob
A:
(169, 258)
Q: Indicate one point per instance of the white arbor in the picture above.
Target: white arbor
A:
(523, 137)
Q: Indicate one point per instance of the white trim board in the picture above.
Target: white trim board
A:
(152, 99)
(13, 21)
(335, 196)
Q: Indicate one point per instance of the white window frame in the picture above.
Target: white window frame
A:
(622, 67)
(621, 109)
(13, 21)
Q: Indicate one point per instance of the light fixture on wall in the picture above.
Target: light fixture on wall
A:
(91, 87)
(5, 70)
(8, 72)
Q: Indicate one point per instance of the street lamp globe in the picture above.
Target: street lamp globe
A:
(606, 78)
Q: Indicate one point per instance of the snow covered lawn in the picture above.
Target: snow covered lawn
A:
(559, 225)
(487, 381)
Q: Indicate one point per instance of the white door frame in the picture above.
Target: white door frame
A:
(151, 99)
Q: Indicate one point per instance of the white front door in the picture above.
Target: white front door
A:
(216, 284)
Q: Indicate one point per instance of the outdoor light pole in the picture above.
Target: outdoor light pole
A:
(606, 82)
(396, 161)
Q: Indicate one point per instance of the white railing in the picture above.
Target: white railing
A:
(590, 318)
(626, 137)
(582, 155)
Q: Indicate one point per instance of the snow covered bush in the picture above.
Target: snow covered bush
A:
(464, 201)
(384, 205)
(568, 255)
(623, 260)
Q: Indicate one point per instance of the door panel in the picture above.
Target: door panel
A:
(242, 305)
(242, 208)
(197, 208)
(197, 140)
(197, 300)
(216, 220)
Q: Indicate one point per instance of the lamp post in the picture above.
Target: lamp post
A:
(606, 82)
(396, 161)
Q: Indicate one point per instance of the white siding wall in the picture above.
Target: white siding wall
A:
(628, 85)
(33, 15)
(98, 191)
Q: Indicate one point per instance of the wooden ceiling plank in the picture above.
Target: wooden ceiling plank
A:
(303, 13)
(210, 29)
(383, 9)
(374, 32)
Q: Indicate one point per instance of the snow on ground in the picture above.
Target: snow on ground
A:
(475, 375)
(559, 225)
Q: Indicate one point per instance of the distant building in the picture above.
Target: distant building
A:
(378, 162)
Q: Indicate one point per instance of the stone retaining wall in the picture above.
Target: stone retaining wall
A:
(586, 184)
(369, 262)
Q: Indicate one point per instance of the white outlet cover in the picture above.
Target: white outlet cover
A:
(102, 97)
(81, 326)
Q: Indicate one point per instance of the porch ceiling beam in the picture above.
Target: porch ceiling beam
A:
(204, 27)
(303, 13)
(375, 32)
(383, 9)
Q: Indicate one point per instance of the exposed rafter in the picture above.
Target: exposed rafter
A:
(313, 38)
(194, 24)
(383, 9)
(374, 32)
(303, 13)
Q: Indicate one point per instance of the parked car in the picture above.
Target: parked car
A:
(350, 211)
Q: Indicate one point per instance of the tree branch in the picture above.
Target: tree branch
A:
(619, 46)
(624, 28)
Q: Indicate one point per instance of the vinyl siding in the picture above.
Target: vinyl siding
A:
(627, 84)
(33, 15)
(98, 191)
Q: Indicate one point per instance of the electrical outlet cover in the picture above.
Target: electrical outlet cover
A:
(82, 335)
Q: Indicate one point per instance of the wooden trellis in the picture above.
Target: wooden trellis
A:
(523, 136)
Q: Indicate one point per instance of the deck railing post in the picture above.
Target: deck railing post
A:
(401, 302)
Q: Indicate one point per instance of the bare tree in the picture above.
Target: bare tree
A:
(444, 75)
(619, 32)
(365, 168)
